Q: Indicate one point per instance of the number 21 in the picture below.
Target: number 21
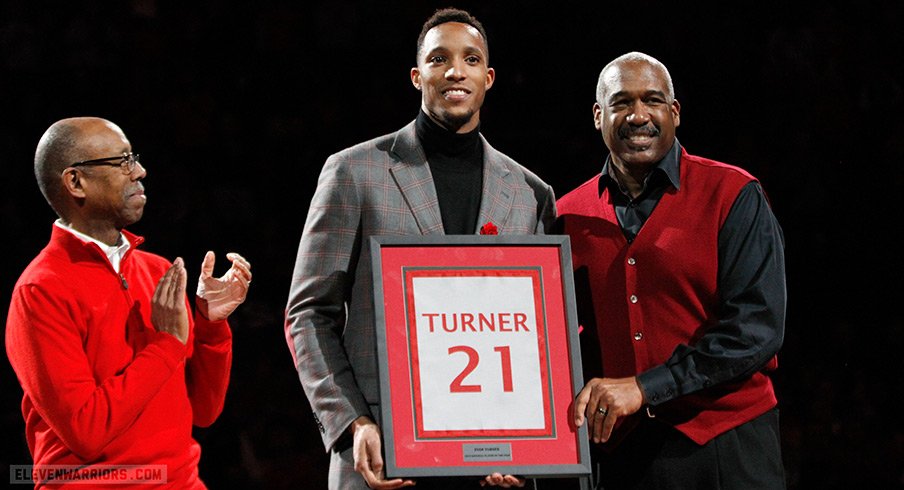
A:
(473, 359)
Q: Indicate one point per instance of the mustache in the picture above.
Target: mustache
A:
(648, 129)
(138, 187)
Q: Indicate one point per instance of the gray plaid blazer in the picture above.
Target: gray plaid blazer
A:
(380, 187)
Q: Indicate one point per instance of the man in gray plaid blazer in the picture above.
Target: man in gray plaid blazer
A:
(437, 175)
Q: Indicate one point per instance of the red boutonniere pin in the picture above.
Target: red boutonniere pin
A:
(489, 229)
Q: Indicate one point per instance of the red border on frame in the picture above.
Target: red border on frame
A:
(562, 446)
(534, 274)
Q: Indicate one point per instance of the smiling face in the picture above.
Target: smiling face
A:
(636, 112)
(453, 76)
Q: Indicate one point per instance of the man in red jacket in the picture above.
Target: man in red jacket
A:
(681, 260)
(115, 369)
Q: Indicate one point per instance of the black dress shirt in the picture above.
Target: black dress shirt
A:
(456, 163)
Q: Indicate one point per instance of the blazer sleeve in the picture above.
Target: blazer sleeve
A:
(321, 285)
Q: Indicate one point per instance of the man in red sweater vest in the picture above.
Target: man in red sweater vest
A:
(114, 367)
(679, 261)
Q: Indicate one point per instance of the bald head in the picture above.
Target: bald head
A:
(612, 71)
(65, 142)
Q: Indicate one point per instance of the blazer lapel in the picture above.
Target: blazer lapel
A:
(412, 175)
(498, 194)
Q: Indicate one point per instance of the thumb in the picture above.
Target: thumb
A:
(376, 463)
(579, 414)
(207, 265)
(375, 459)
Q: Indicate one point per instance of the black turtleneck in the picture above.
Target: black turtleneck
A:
(456, 163)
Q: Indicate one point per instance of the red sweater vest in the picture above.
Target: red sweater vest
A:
(661, 290)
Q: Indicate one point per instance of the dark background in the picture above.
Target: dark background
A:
(234, 106)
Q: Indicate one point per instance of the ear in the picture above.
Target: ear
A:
(676, 112)
(72, 183)
(597, 116)
(491, 77)
(416, 78)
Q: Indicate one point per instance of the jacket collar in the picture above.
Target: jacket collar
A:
(64, 242)
(412, 175)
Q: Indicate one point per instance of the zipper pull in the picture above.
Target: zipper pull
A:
(122, 278)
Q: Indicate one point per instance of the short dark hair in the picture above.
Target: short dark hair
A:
(449, 14)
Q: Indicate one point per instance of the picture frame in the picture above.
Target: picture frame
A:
(478, 356)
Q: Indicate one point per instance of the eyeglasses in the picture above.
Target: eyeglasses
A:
(126, 162)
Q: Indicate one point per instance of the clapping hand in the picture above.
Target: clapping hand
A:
(219, 297)
(168, 311)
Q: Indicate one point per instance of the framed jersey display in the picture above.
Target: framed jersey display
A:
(478, 356)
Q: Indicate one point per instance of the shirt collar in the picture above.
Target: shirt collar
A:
(114, 253)
(668, 166)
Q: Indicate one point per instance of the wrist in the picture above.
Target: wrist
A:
(360, 422)
(201, 307)
(172, 345)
